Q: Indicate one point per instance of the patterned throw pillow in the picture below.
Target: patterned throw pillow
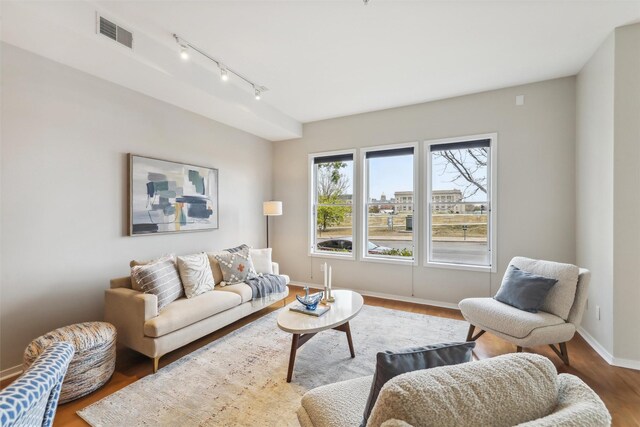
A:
(196, 275)
(237, 266)
(159, 278)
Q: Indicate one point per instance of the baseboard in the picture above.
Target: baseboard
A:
(390, 296)
(14, 371)
(608, 357)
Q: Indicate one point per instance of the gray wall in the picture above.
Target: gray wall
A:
(594, 196)
(626, 293)
(536, 185)
(608, 200)
(65, 136)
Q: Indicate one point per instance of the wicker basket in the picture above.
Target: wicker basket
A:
(93, 362)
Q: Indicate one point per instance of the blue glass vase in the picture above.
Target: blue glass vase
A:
(310, 301)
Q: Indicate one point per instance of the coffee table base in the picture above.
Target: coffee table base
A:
(300, 339)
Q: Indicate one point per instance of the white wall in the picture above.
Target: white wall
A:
(626, 292)
(65, 137)
(536, 185)
(608, 200)
(594, 184)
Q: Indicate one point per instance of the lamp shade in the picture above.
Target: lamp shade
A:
(272, 208)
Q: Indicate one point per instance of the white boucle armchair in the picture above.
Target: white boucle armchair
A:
(555, 323)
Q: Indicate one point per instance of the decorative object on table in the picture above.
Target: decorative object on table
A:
(310, 302)
(168, 197)
(327, 284)
(271, 208)
(93, 362)
(316, 312)
(32, 399)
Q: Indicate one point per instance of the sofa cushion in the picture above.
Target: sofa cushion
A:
(561, 296)
(184, 312)
(236, 266)
(215, 266)
(491, 314)
(261, 259)
(390, 364)
(487, 392)
(241, 289)
(523, 290)
(339, 404)
(196, 275)
(159, 278)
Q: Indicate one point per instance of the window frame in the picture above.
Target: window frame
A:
(491, 198)
(363, 253)
(311, 214)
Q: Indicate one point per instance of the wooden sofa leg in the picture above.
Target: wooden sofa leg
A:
(470, 336)
(518, 349)
(562, 353)
(155, 364)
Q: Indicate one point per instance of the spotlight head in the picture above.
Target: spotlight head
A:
(224, 73)
(257, 92)
(184, 53)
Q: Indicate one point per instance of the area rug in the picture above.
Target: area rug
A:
(240, 379)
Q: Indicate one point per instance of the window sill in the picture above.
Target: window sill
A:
(346, 257)
(467, 267)
(397, 261)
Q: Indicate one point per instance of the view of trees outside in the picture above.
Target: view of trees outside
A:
(459, 217)
(459, 205)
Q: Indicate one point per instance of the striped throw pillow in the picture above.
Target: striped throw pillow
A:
(196, 275)
(159, 278)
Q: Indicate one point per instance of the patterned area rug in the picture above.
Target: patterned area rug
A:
(240, 379)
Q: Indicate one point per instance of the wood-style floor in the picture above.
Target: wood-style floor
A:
(619, 388)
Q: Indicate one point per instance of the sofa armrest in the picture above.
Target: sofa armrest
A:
(578, 405)
(128, 310)
(276, 268)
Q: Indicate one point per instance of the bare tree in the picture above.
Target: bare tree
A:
(468, 167)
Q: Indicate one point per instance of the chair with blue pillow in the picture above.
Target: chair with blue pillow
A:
(515, 316)
(32, 399)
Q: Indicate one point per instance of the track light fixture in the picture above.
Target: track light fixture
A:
(224, 73)
(185, 46)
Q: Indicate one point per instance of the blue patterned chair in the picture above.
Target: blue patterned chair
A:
(32, 399)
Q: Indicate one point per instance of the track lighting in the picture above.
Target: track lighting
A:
(184, 53)
(185, 46)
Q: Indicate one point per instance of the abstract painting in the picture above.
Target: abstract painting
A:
(167, 197)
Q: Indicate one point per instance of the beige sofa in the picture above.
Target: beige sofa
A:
(155, 333)
(516, 389)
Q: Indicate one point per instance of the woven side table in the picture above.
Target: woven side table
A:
(93, 362)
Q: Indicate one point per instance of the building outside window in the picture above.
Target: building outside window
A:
(332, 222)
(389, 227)
(460, 213)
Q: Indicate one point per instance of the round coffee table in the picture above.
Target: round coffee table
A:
(303, 326)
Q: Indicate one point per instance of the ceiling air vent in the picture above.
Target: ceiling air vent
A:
(115, 32)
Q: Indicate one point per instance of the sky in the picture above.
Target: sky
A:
(391, 174)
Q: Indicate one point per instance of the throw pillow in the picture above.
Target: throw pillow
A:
(159, 278)
(236, 267)
(393, 363)
(196, 275)
(135, 262)
(215, 267)
(524, 290)
(261, 259)
(561, 296)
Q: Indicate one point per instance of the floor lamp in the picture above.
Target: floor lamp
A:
(271, 208)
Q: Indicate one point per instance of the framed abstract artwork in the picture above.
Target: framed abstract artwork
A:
(170, 197)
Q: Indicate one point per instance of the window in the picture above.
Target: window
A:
(388, 226)
(332, 204)
(460, 179)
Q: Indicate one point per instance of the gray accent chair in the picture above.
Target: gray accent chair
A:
(555, 324)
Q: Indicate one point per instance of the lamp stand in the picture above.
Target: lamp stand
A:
(267, 217)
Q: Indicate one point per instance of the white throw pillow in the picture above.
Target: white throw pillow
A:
(261, 259)
(196, 274)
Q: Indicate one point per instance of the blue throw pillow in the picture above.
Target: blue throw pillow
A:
(524, 290)
(392, 363)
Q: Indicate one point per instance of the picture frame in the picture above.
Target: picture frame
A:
(168, 197)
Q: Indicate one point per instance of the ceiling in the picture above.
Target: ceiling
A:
(324, 59)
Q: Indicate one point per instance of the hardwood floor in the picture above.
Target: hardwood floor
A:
(619, 388)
